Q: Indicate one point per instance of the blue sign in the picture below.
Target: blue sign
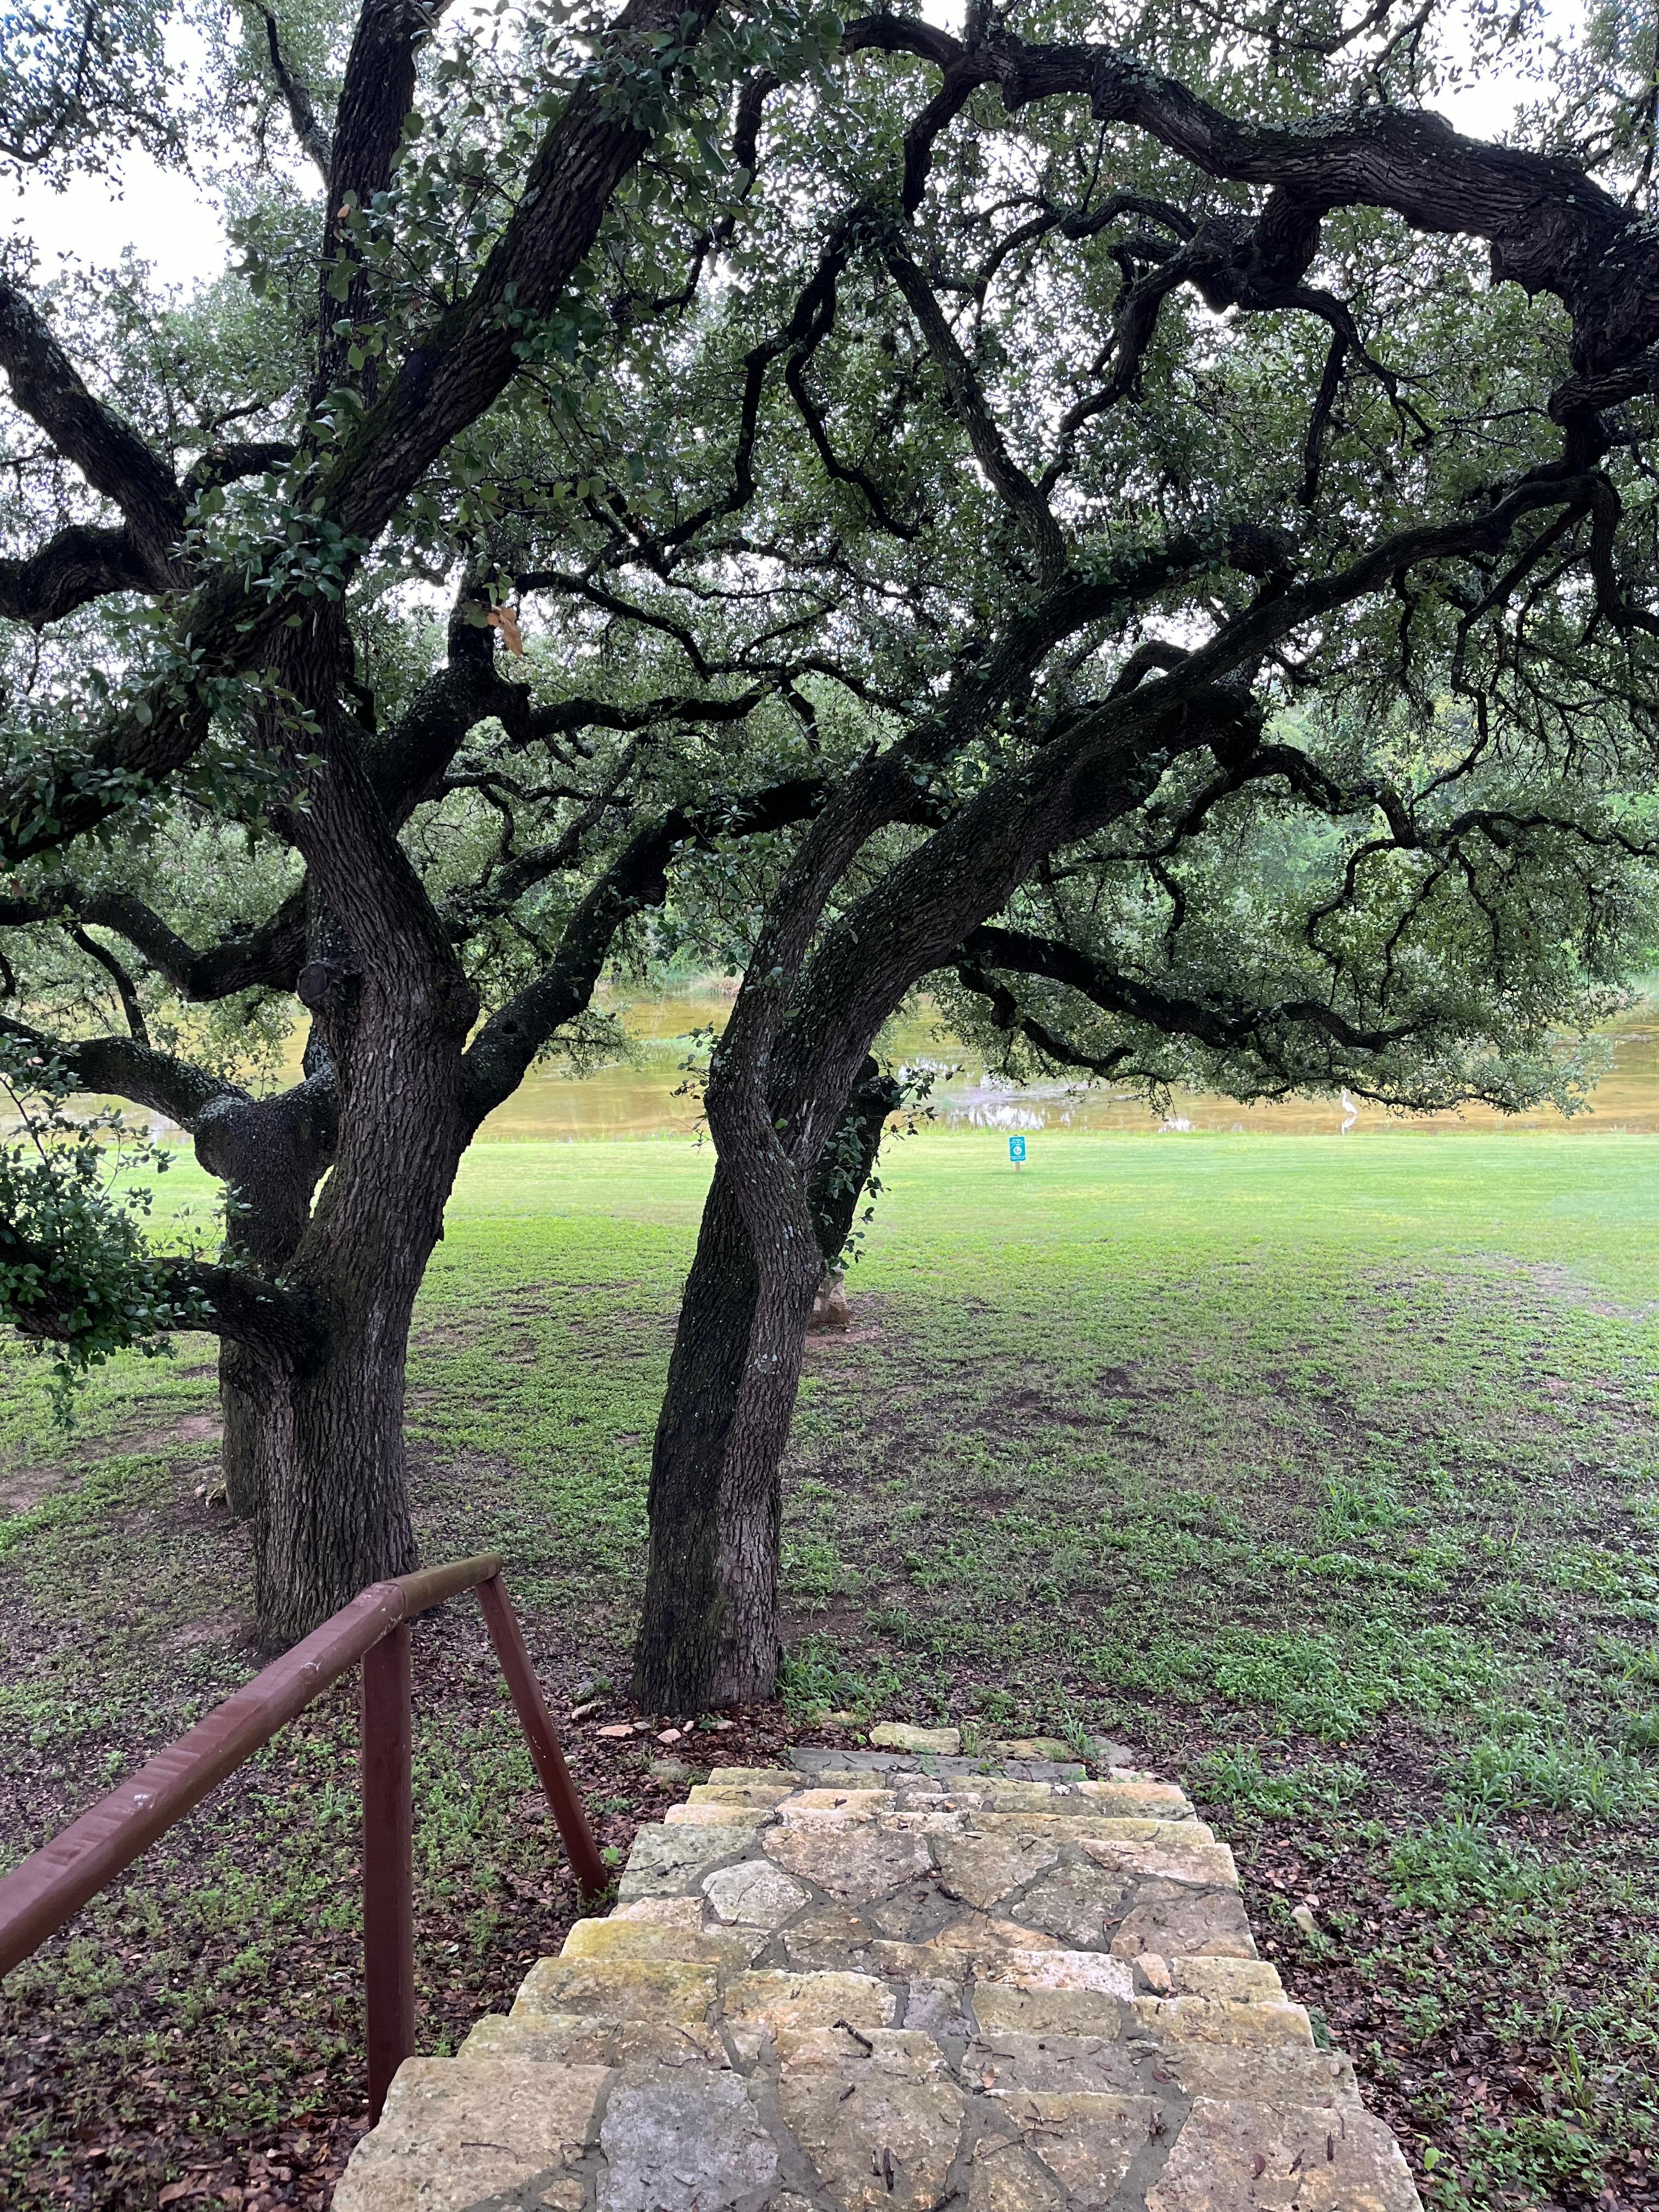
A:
(1016, 1149)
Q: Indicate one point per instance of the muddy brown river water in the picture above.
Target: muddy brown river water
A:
(637, 1098)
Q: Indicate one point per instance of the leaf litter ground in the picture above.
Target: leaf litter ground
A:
(1342, 1509)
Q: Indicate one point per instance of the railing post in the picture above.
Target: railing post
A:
(592, 1876)
(388, 1862)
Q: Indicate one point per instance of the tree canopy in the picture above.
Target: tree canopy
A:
(1119, 515)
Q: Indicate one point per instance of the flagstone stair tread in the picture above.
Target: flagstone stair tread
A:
(870, 1980)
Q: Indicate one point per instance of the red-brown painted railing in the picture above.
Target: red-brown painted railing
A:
(39, 1896)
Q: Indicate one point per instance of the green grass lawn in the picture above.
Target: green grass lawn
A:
(1322, 1471)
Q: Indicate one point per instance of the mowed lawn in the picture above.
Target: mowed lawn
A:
(1324, 1472)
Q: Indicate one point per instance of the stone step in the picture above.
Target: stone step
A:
(830, 1878)
(855, 2123)
(831, 1992)
(1291, 2073)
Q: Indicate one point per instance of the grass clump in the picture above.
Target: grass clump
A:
(1563, 1774)
(1459, 1863)
(1235, 1777)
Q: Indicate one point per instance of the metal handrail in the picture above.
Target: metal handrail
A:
(50, 1888)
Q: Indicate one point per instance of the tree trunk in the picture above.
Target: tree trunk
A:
(327, 1448)
(332, 1514)
(244, 1385)
(269, 1153)
(709, 1633)
(697, 1633)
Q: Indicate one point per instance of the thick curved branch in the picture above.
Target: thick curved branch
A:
(108, 452)
(230, 463)
(74, 565)
(1550, 226)
(376, 95)
(1024, 502)
(269, 956)
(222, 1301)
(448, 379)
(1013, 1020)
(1223, 1025)
(126, 990)
(496, 1062)
(130, 1070)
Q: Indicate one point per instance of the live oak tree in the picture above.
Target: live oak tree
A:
(1237, 515)
(262, 753)
(1058, 507)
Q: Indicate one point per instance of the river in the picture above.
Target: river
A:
(645, 1096)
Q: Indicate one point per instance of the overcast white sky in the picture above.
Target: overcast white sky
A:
(175, 226)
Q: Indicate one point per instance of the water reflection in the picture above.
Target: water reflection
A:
(637, 1098)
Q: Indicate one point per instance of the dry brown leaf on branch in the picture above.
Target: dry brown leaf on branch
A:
(505, 619)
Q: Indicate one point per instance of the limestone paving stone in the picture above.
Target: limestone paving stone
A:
(667, 1862)
(1218, 2019)
(1168, 1858)
(1044, 2012)
(1003, 1795)
(1288, 2075)
(981, 1869)
(830, 1939)
(722, 1792)
(940, 1777)
(1174, 1921)
(1067, 1823)
(896, 2051)
(754, 1893)
(1086, 2139)
(1061, 1969)
(662, 1912)
(894, 1735)
(1248, 1981)
(1234, 2156)
(925, 1819)
(729, 1948)
(578, 2040)
(1006, 2177)
(998, 2061)
(717, 1815)
(1081, 1905)
(619, 1989)
(692, 2141)
(1107, 1797)
(776, 2000)
(881, 2127)
(809, 1806)
(856, 1863)
(455, 2132)
(971, 1944)
(937, 2006)
(918, 1912)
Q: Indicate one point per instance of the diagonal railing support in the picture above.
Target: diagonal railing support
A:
(593, 1877)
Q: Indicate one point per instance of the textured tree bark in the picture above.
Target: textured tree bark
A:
(709, 1633)
(708, 1630)
(327, 1452)
(244, 1382)
(270, 1154)
(325, 1435)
